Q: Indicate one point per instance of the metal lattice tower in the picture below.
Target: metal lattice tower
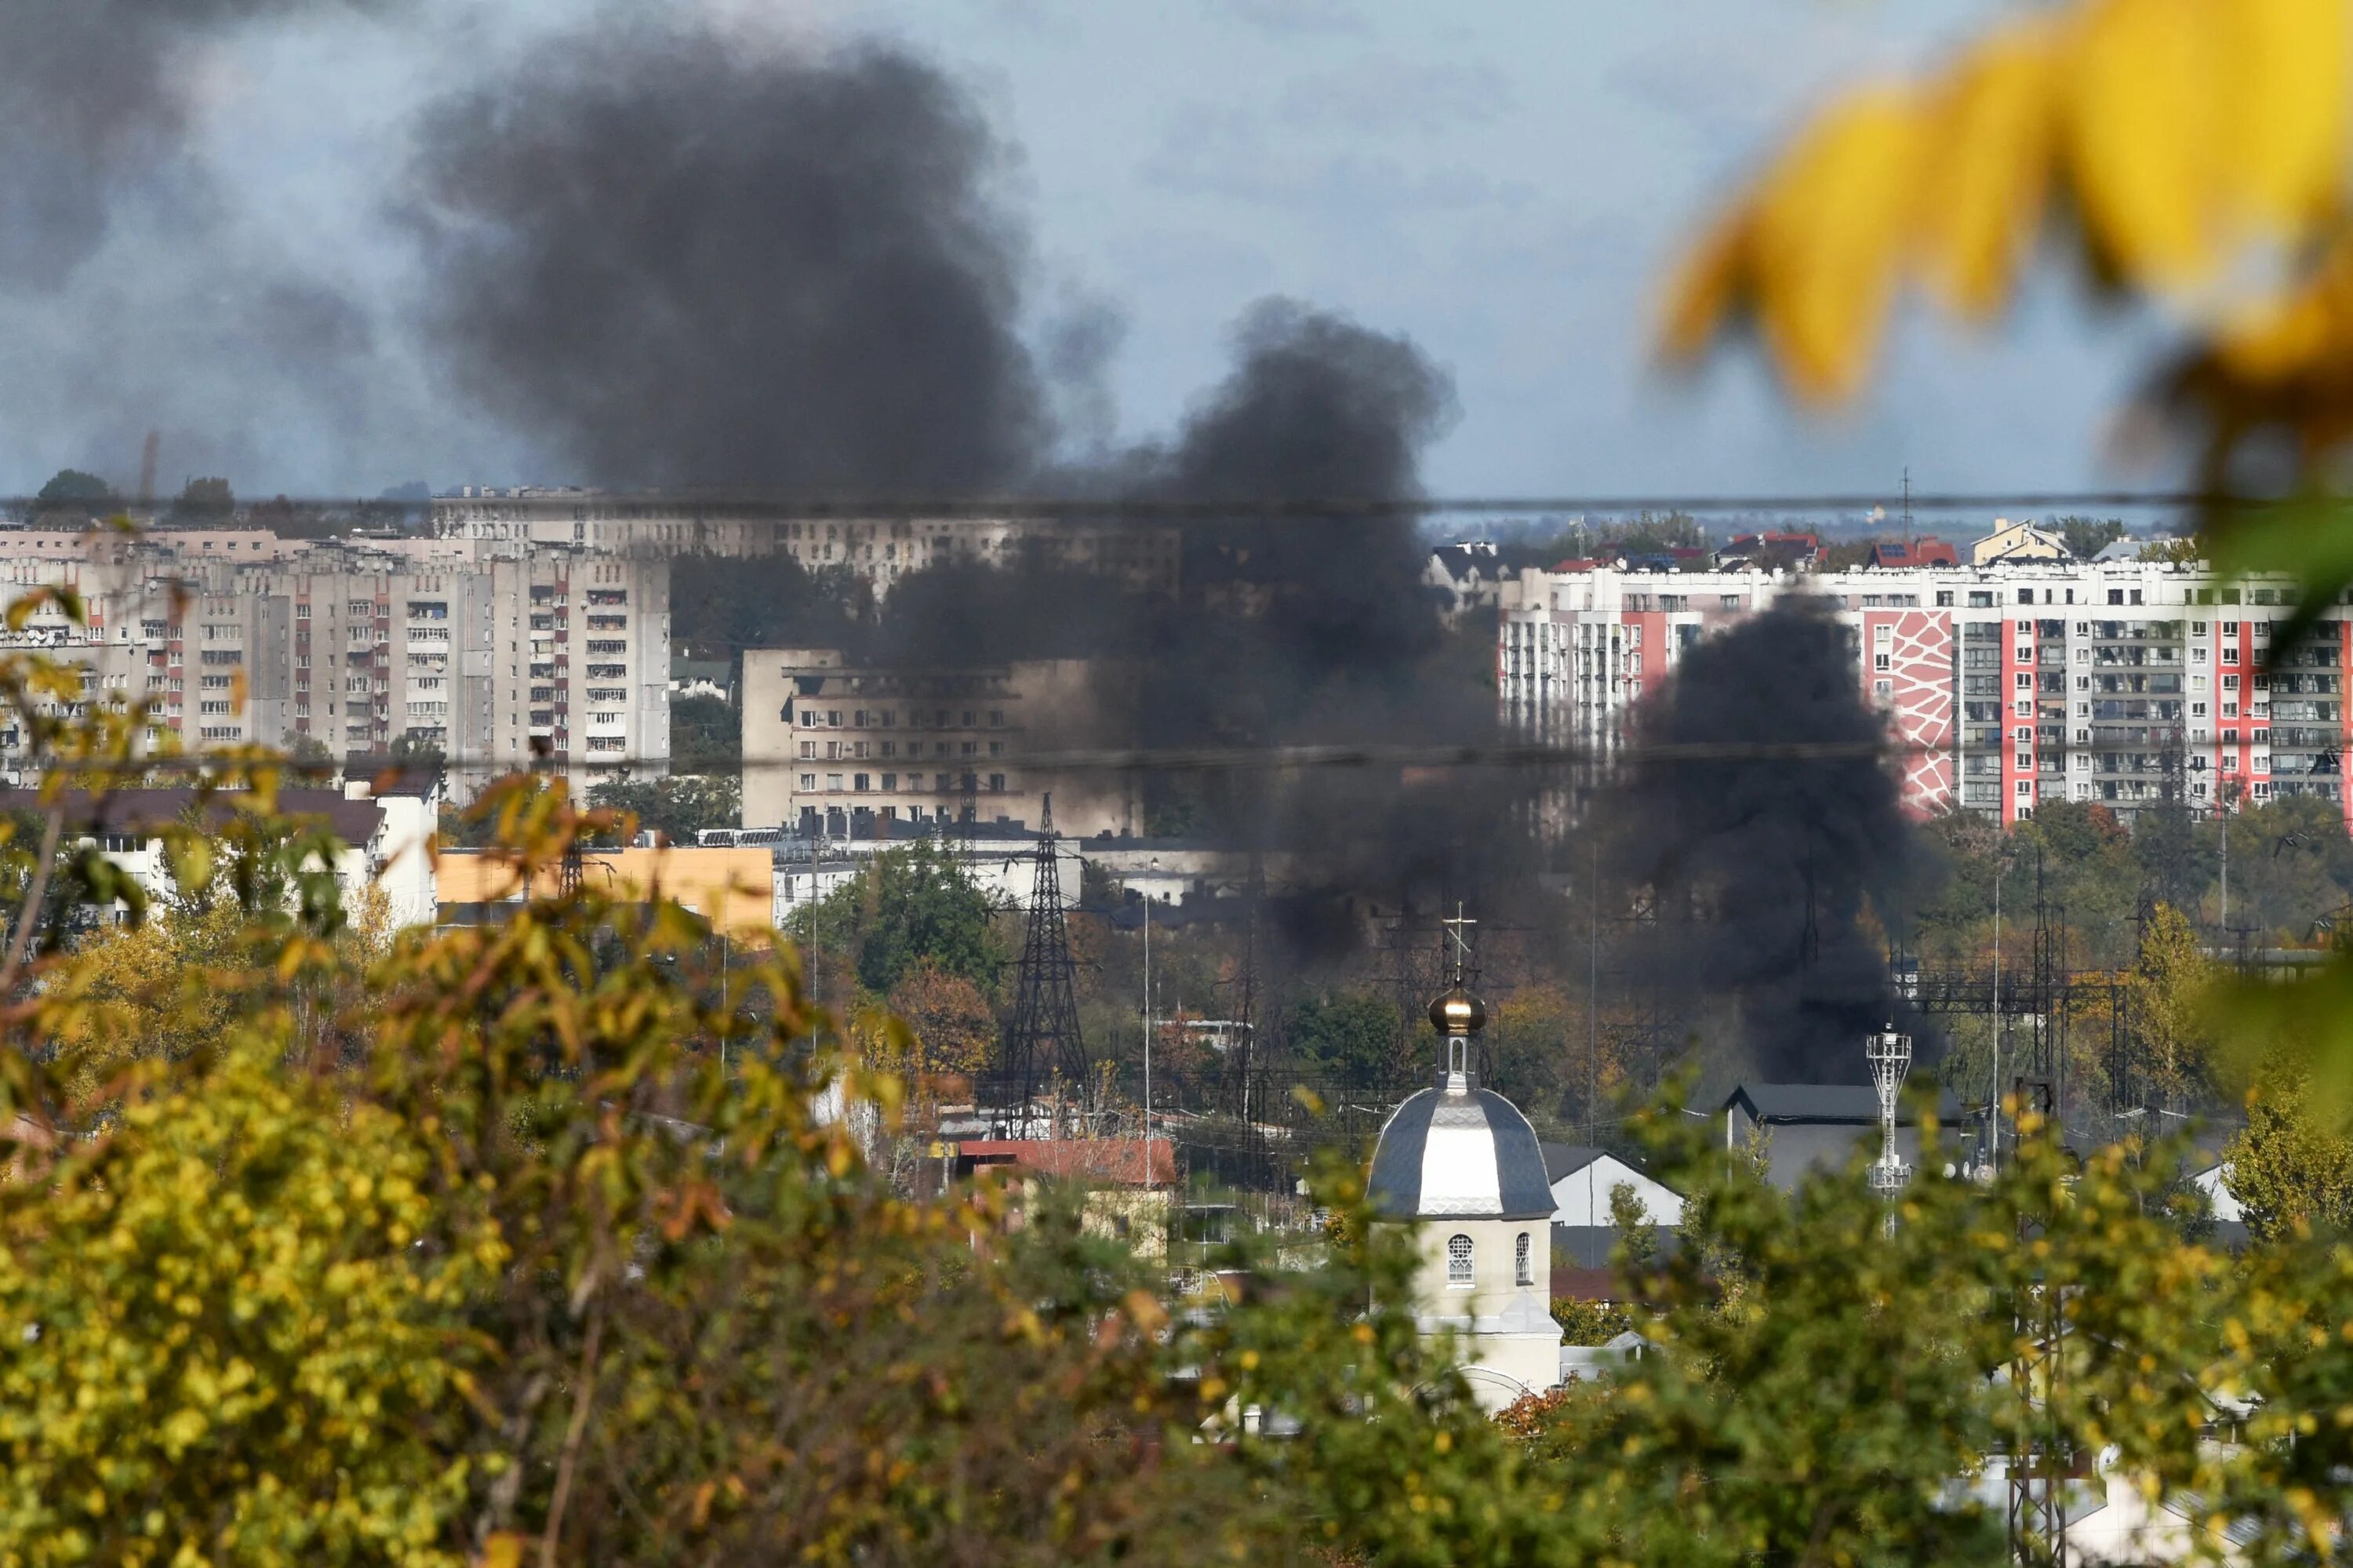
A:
(2038, 1467)
(1043, 1039)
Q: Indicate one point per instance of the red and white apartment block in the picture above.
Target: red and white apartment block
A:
(2004, 686)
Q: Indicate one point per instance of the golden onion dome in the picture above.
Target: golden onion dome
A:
(1458, 1012)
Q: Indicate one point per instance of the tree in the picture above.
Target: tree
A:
(904, 907)
(411, 750)
(2291, 1165)
(204, 503)
(2087, 536)
(71, 494)
(1350, 1034)
(2166, 991)
(949, 1018)
(706, 737)
(675, 806)
(1636, 1228)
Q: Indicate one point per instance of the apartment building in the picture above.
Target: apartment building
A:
(854, 752)
(880, 550)
(557, 655)
(2007, 685)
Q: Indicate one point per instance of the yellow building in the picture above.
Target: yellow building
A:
(735, 889)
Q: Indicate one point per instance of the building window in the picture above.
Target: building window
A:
(808, 780)
(1457, 1263)
(1523, 1263)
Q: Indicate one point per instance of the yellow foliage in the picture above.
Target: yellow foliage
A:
(2178, 131)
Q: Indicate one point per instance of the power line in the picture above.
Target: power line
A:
(1185, 759)
(751, 506)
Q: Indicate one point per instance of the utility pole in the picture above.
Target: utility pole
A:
(1147, 1027)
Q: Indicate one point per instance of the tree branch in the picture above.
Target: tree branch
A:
(36, 891)
(582, 1395)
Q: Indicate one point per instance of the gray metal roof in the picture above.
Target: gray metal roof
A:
(1459, 1154)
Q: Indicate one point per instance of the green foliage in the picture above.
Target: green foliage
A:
(2087, 536)
(1352, 1034)
(706, 737)
(2167, 993)
(2291, 1165)
(204, 503)
(70, 492)
(904, 907)
(722, 605)
(412, 751)
(1637, 1247)
(1589, 1322)
(676, 806)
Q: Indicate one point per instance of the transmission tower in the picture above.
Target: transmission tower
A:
(2039, 1464)
(1044, 1038)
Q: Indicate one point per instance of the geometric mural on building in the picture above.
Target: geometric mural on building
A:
(1920, 707)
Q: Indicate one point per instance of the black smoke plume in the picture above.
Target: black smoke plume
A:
(674, 260)
(97, 99)
(1761, 871)
(135, 293)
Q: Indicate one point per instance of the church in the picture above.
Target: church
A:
(1463, 1166)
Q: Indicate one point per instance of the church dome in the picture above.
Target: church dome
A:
(1458, 1153)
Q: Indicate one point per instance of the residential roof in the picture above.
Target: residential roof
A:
(1120, 1161)
(1567, 1159)
(1856, 1103)
(1925, 551)
(142, 813)
(385, 775)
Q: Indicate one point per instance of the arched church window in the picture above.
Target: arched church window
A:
(1457, 1263)
(1523, 1266)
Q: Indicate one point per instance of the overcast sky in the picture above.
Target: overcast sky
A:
(1503, 182)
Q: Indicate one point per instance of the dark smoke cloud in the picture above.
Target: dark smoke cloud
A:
(94, 102)
(1762, 870)
(674, 260)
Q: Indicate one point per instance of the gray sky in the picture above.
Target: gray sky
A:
(1505, 183)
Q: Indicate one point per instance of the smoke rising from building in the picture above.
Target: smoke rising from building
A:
(1762, 871)
(654, 255)
(679, 260)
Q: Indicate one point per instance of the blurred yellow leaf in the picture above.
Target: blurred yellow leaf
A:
(2141, 141)
(1993, 129)
(2285, 105)
(502, 1550)
(1706, 289)
(1830, 225)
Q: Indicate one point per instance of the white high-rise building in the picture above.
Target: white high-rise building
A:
(499, 659)
(2005, 685)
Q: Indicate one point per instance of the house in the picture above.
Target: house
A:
(1129, 1183)
(410, 797)
(1464, 576)
(128, 826)
(702, 678)
(1583, 1229)
(1806, 1128)
(1925, 551)
(2012, 542)
(1772, 551)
